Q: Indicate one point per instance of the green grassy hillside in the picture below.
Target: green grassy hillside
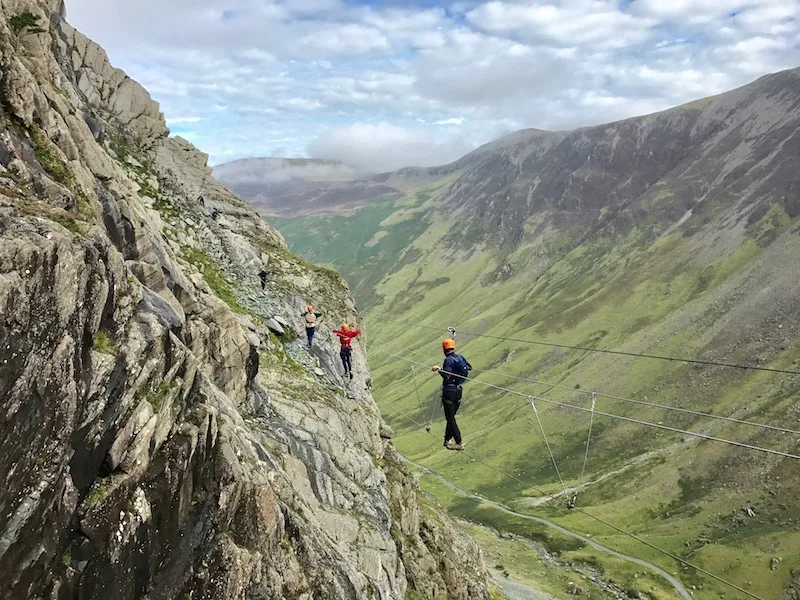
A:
(685, 496)
(701, 260)
(368, 244)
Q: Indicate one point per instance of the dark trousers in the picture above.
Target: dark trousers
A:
(346, 354)
(310, 333)
(451, 402)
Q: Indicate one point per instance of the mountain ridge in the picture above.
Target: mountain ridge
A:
(589, 152)
(531, 141)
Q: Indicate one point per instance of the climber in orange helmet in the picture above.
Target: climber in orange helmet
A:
(454, 372)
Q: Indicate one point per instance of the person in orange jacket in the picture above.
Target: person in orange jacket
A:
(346, 336)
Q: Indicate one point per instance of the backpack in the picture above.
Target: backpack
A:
(460, 369)
(311, 319)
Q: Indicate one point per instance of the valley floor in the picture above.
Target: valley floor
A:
(679, 588)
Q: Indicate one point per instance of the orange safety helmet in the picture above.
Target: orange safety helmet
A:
(345, 327)
(310, 308)
(449, 344)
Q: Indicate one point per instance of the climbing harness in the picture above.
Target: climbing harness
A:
(574, 500)
(552, 458)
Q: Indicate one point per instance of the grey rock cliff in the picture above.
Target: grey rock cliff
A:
(157, 440)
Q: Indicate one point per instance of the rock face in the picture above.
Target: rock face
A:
(735, 152)
(156, 439)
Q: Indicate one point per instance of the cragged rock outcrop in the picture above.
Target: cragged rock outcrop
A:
(157, 440)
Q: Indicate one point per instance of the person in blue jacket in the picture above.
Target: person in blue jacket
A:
(454, 371)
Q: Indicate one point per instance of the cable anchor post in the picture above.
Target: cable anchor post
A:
(547, 444)
(573, 503)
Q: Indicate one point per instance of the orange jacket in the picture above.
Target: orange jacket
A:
(346, 337)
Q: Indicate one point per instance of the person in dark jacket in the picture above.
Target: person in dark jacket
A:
(346, 336)
(311, 319)
(453, 371)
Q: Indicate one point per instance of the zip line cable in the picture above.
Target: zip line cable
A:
(632, 400)
(546, 443)
(613, 416)
(657, 426)
(693, 361)
(639, 539)
(650, 404)
(419, 403)
(402, 412)
(416, 391)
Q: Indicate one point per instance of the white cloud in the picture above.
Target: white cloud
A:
(450, 121)
(687, 9)
(258, 55)
(773, 18)
(303, 104)
(275, 170)
(759, 44)
(417, 82)
(381, 147)
(313, 7)
(476, 69)
(183, 120)
(577, 23)
(345, 39)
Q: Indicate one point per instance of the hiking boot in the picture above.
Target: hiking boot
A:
(346, 374)
(448, 445)
(351, 375)
(458, 447)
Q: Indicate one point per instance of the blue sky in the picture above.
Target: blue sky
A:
(384, 84)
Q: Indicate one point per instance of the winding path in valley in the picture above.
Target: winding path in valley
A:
(534, 502)
(679, 588)
(516, 590)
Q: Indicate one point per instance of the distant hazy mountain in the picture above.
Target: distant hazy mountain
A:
(298, 186)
